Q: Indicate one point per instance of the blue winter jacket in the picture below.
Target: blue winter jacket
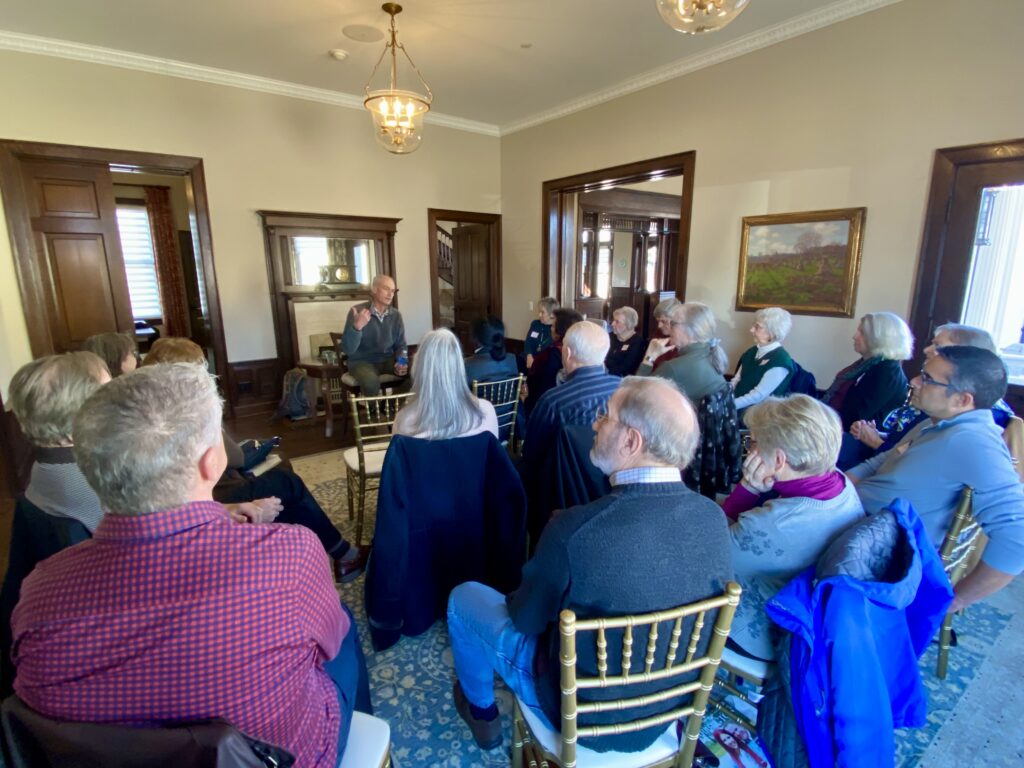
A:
(860, 620)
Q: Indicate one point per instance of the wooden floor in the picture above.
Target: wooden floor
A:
(298, 438)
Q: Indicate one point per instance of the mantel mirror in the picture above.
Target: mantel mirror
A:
(319, 267)
(322, 261)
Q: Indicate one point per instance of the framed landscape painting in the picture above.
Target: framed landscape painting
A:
(807, 263)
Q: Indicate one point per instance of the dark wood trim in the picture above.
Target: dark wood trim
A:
(435, 215)
(553, 200)
(928, 283)
(17, 212)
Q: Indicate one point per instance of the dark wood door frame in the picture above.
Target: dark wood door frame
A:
(932, 279)
(16, 210)
(555, 232)
(434, 215)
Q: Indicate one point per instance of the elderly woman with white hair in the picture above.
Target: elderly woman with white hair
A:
(45, 395)
(796, 443)
(627, 346)
(442, 406)
(871, 387)
(765, 369)
(696, 365)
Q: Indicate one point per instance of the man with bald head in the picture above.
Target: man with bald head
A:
(586, 388)
(651, 544)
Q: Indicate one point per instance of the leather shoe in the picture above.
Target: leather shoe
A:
(345, 570)
(486, 733)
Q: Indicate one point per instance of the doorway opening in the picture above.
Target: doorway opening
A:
(619, 236)
(972, 255)
(465, 269)
(72, 212)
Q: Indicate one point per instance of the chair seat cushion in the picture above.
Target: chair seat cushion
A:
(745, 666)
(368, 742)
(665, 746)
(374, 459)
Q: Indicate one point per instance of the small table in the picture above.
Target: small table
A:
(318, 369)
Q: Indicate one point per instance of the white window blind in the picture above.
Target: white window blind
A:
(139, 261)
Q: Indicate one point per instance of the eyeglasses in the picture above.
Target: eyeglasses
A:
(601, 416)
(926, 379)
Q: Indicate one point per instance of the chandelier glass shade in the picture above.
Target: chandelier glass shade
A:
(694, 17)
(397, 114)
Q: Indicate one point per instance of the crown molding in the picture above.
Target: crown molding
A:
(800, 25)
(13, 41)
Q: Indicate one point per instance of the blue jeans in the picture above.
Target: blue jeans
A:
(484, 641)
(348, 672)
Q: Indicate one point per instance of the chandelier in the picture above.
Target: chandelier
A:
(397, 114)
(692, 17)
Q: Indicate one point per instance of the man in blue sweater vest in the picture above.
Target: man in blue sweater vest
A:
(374, 339)
(652, 544)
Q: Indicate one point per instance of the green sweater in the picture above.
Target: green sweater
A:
(752, 369)
(692, 371)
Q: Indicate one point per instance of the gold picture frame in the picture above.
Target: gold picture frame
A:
(807, 263)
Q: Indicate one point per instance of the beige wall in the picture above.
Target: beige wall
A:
(259, 152)
(850, 115)
(129, 186)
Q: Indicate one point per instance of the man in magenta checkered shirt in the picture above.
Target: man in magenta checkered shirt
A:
(173, 612)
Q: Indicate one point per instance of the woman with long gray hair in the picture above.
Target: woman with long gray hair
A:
(442, 406)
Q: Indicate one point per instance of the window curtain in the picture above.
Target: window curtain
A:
(169, 271)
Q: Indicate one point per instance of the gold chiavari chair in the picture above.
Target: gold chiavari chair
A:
(534, 744)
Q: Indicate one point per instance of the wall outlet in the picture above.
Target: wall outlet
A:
(531, 305)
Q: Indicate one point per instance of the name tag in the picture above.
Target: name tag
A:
(534, 334)
(625, 347)
(764, 361)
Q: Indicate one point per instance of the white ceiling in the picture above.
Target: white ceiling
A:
(471, 52)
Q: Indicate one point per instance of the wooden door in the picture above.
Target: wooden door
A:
(952, 231)
(471, 248)
(77, 251)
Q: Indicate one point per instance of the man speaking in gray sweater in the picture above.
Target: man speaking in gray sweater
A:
(651, 544)
(374, 339)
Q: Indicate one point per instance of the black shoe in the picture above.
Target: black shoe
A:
(486, 733)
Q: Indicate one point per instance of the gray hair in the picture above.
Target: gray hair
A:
(113, 348)
(665, 307)
(378, 278)
(698, 321)
(777, 321)
(664, 417)
(442, 406)
(629, 317)
(139, 439)
(806, 430)
(46, 394)
(548, 303)
(588, 342)
(968, 336)
(887, 336)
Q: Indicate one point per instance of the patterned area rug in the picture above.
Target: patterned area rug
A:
(411, 682)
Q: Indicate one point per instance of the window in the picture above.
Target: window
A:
(996, 276)
(139, 261)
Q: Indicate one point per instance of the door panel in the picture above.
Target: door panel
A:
(78, 250)
(85, 305)
(471, 246)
